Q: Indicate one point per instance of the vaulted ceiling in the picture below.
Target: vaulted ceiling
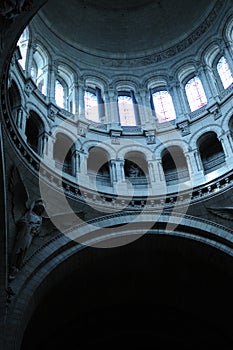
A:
(124, 28)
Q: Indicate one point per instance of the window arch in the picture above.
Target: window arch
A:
(39, 69)
(163, 106)
(91, 105)
(23, 46)
(65, 95)
(195, 94)
(224, 72)
(59, 93)
(127, 108)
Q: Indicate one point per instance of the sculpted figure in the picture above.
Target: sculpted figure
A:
(28, 226)
(30, 219)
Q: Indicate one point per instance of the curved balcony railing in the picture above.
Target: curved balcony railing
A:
(213, 164)
(102, 180)
(137, 181)
(175, 176)
(66, 168)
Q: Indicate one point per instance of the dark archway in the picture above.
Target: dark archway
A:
(157, 292)
(63, 153)
(211, 152)
(174, 165)
(34, 132)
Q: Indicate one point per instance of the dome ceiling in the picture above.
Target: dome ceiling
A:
(119, 28)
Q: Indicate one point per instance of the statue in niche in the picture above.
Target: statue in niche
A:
(30, 220)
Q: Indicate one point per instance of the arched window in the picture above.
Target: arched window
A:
(224, 72)
(23, 46)
(41, 86)
(59, 94)
(163, 106)
(126, 109)
(91, 105)
(39, 70)
(195, 94)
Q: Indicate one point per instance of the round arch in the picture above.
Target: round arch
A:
(98, 272)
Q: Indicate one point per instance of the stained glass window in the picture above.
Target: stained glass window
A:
(224, 72)
(23, 46)
(195, 94)
(163, 105)
(126, 110)
(91, 106)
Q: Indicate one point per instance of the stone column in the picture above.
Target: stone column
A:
(30, 52)
(43, 143)
(112, 110)
(120, 186)
(101, 106)
(75, 96)
(174, 90)
(230, 141)
(196, 167)
(76, 156)
(117, 169)
(21, 119)
(224, 141)
(151, 170)
(156, 173)
(142, 106)
(84, 179)
(210, 77)
(72, 100)
(51, 71)
(183, 100)
(205, 83)
(81, 104)
(228, 54)
(189, 161)
(113, 170)
(83, 163)
(198, 161)
(49, 141)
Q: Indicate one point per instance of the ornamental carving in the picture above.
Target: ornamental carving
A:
(10, 9)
